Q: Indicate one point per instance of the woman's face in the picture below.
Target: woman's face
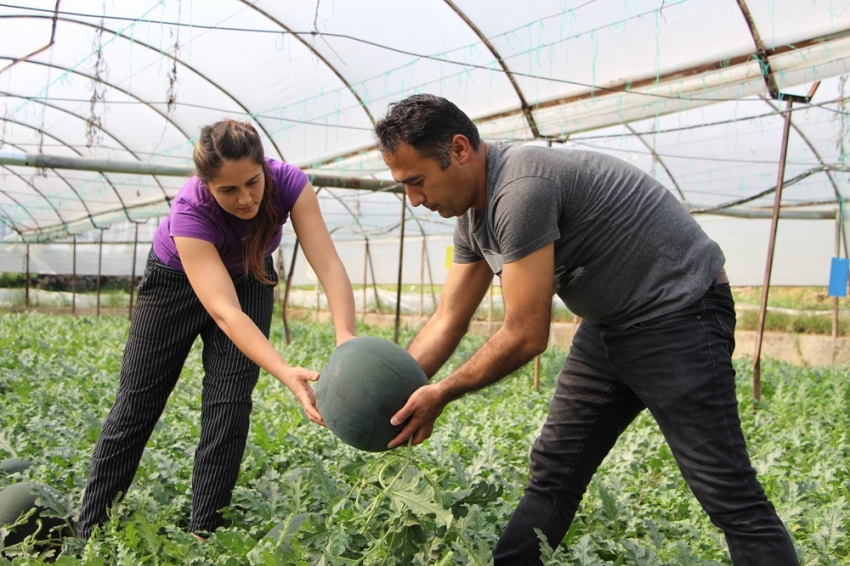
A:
(238, 187)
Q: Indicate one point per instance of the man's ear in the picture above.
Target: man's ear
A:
(461, 148)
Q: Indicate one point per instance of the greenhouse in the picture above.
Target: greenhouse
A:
(739, 108)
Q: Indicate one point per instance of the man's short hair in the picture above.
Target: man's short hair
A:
(427, 123)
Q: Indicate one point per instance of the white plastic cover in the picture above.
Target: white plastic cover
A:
(674, 86)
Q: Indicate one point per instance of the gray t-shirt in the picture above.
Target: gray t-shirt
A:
(625, 249)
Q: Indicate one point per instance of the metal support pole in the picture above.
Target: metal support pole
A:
(74, 280)
(400, 269)
(771, 245)
(27, 280)
(837, 252)
(365, 275)
(286, 293)
(490, 302)
(422, 279)
(133, 276)
(99, 266)
(378, 306)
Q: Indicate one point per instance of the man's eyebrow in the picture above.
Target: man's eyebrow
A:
(408, 180)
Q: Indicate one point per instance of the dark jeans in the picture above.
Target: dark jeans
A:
(679, 367)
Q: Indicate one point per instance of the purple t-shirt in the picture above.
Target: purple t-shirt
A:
(196, 214)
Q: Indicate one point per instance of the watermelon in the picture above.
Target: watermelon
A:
(13, 465)
(17, 500)
(364, 383)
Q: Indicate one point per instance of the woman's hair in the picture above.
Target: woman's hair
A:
(231, 140)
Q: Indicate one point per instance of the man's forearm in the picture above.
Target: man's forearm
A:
(505, 352)
(434, 344)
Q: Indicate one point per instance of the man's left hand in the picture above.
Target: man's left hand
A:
(422, 409)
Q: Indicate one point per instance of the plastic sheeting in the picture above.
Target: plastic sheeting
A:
(804, 250)
(135, 81)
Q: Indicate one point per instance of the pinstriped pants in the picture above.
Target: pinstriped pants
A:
(166, 321)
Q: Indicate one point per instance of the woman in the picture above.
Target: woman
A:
(210, 273)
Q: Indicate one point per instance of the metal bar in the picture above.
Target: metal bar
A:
(77, 116)
(837, 254)
(40, 49)
(285, 305)
(657, 159)
(378, 306)
(133, 276)
(400, 269)
(422, 278)
(771, 245)
(316, 53)
(755, 213)
(524, 106)
(139, 168)
(431, 280)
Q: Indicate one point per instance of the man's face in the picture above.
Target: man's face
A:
(447, 192)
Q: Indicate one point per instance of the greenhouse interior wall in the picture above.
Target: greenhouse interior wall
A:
(804, 249)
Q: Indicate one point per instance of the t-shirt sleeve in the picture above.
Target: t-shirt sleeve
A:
(191, 221)
(289, 181)
(525, 217)
(464, 248)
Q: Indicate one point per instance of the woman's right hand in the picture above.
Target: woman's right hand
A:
(298, 379)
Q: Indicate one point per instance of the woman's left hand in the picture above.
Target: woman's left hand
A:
(298, 379)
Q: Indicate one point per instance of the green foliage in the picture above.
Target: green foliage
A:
(443, 502)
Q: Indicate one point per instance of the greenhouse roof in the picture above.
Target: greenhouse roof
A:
(694, 91)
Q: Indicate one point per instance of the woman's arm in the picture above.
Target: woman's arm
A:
(320, 252)
(213, 286)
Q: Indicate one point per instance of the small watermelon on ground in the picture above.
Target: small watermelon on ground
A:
(365, 382)
(13, 465)
(17, 500)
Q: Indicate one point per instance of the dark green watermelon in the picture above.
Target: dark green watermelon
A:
(17, 500)
(13, 465)
(365, 382)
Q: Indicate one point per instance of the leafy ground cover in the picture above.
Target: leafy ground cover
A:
(440, 503)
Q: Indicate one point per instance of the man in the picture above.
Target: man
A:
(657, 329)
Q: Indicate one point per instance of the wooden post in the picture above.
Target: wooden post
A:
(281, 275)
(133, 276)
(490, 303)
(74, 279)
(365, 275)
(537, 372)
(99, 267)
(285, 305)
(770, 249)
(27, 280)
(400, 270)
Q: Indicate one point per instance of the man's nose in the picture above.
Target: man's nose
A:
(416, 197)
